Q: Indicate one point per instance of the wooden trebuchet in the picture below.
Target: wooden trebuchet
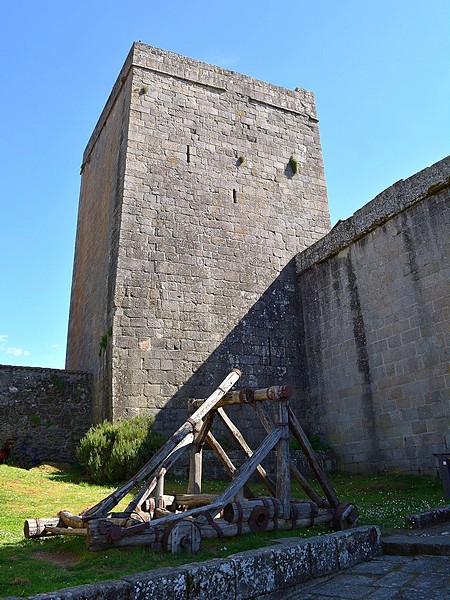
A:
(105, 505)
(178, 522)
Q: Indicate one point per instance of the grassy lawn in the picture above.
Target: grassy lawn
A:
(41, 565)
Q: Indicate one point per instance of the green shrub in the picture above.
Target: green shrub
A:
(114, 452)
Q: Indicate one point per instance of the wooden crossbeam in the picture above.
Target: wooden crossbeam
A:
(239, 438)
(316, 467)
(248, 396)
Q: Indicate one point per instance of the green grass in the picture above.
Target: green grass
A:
(41, 565)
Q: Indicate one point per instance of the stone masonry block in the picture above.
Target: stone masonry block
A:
(160, 583)
(357, 545)
(211, 579)
(292, 564)
(323, 555)
(103, 590)
(255, 573)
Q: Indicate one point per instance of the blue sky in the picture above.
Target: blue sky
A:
(379, 70)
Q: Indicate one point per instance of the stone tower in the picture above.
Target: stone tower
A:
(199, 186)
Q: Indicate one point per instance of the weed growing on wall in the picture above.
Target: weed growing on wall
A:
(293, 163)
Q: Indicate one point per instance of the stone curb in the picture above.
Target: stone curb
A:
(429, 518)
(249, 574)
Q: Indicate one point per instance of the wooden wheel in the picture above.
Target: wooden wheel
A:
(259, 518)
(182, 535)
(346, 516)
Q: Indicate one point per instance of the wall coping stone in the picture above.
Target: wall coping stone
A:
(250, 574)
(43, 370)
(392, 201)
(429, 518)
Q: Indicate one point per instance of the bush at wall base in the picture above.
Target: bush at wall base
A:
(114, 452)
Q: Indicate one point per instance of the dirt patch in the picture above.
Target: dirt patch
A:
(62, 559)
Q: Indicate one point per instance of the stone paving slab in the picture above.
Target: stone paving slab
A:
(383, 578)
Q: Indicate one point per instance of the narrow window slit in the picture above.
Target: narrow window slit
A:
(188, 154)
(235, 196)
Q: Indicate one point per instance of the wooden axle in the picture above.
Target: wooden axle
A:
(246, 396)
(236, 512)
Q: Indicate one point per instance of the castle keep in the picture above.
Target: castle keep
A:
(199, 186)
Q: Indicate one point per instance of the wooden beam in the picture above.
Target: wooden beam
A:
(311, 457)
(66, 531)
(192, 500)
(248, 396)
(239, 438)
(283, 492)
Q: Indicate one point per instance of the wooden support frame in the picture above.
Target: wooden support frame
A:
(171, 523)
(239, 439)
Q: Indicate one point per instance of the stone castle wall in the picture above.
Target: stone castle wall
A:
(45, 412)
(97, 237)
(196, 254)
(374, 303)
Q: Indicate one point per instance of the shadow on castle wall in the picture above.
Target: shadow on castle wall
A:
(264, 345)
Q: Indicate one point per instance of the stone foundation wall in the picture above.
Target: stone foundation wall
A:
(45, 412)
(374, 297)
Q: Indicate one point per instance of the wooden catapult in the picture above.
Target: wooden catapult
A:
(170, 523)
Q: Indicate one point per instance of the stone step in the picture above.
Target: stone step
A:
(433, 541)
